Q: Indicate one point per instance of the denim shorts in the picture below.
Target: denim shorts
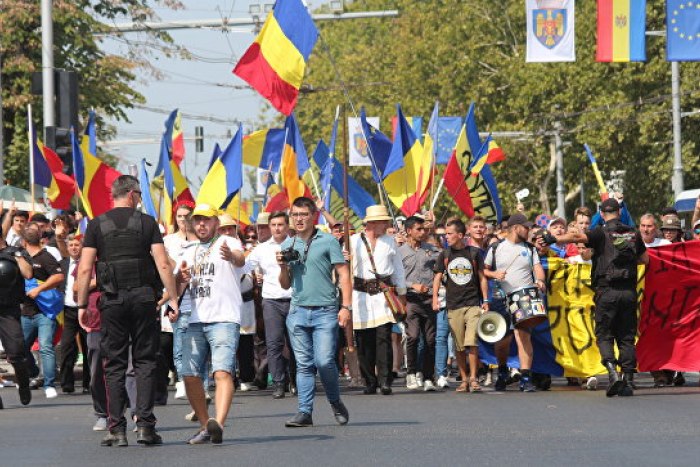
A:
(202, 339)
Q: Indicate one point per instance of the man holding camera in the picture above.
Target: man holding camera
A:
(306, 263)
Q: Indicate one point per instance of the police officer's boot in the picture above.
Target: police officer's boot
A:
(627, 388)
(614, 380)
(22, 380)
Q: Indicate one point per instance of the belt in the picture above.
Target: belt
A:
(278, 299)
(370, 286)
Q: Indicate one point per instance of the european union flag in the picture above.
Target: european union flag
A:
(682, 31)
(448, 131)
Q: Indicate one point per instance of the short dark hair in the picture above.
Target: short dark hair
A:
(123, 185)
(458, 225)
(24, 214)
(304, 202)
(668, 210)
(32, 234)
(583, 211)
(277, 214)
(413, 220)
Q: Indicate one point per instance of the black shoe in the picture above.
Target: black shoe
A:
(300, 420)
(2, 406)
(615, 383)
(340, 412)
(386, 389)
(369, 390)
(526, 384)
(215, 430)
(501, 382)
(147, 435)
(115, 439)
(627, 388)
(68, 390)
(278, 391)
(293, 389)
(678, 379)
(628, 378)
(36, 383)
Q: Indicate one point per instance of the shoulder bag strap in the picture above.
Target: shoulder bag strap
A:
(369, 252)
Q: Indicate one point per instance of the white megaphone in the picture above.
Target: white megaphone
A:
(492, 327)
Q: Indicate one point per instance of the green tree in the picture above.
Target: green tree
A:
(458, 51)
(104, 80)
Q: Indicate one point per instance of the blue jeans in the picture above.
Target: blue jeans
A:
(313, 332)
(179, 329)
(44, 328)
(441, 345)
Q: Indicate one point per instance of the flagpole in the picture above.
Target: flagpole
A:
(30, 132)
(346, 202)
(313, 180)
(437, 194)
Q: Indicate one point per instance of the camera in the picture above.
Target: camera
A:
(290, 255)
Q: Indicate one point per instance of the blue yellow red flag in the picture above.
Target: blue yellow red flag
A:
(225, 178)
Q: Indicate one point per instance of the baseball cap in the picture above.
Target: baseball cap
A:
(204, 210)
(556, 220)
(519, 219)
(609, 205)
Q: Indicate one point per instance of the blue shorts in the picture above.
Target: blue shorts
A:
(202, 339)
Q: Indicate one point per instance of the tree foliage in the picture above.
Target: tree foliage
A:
(104, 79)
(460, 51)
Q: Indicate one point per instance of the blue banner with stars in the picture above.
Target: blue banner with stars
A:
(682, 30)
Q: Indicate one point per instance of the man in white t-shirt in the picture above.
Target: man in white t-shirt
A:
(276, 301)
(647, 228)
(210, 271)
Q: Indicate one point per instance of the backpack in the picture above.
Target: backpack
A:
(618, 261)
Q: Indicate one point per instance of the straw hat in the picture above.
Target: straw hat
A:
(377, 212)
(263, 218)
(226, 220)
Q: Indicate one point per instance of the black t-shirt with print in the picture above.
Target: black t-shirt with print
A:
(462, 288)
(44, 266)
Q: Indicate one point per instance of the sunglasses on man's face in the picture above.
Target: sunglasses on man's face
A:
(696, 231)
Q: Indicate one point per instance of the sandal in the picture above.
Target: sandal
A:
(474, 385)
(462, 387)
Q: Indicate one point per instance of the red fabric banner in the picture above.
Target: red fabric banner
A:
(669, 322)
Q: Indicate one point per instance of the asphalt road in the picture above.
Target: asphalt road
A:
(565, 426)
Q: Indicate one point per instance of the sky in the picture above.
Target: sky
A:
(201, 88)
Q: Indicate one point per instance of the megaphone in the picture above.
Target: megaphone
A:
(492, 327)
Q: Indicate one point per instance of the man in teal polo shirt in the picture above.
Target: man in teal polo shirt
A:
(306, 264)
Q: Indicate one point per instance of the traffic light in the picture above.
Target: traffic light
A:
(59, 140)
(199, 139)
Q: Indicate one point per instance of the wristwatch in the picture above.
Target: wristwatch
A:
(347, 307)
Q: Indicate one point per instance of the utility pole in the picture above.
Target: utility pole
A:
(561, 191)
(47, 66)
(2, 133)
(677, 179)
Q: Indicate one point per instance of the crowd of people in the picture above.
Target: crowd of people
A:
(212, 306)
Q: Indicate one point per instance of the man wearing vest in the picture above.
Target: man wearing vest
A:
(617, 249)
(131, 263)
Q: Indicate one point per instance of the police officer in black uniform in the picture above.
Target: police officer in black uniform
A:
(132, 267)
(617, 249)
(14, 268)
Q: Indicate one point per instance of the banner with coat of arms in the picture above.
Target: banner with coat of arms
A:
(358, 145)
(550, 31)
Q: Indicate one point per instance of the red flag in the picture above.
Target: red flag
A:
(455, 173)
(669, 322)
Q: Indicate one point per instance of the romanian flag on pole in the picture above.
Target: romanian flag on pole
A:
(424, 176)
(48, 172)
(492, 153)
(225, 177)
(455, 174)
(173, 132)
(274, 64)
(93, 178)
(621, 31)
(264, 149)
(294, 163)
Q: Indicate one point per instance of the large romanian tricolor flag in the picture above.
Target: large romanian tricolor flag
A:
(263, 148)
(274, 64)
(403, 184)
(455, 174)
(173, 135)
(48, 172)
(424, 177)
(294, 163)
(93, 178)
(225, 177)
(621, 31)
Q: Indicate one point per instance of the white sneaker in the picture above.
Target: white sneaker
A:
(592, 383)
(191, 417)
(100, 424)
(245, 387)
(50, 392)
(419, 379)
(428, 386)
(488, 381)
(180, 393)
(411, 382)
(443, 383)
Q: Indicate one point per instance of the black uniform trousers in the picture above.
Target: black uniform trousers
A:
(69, 349)
(616, 322)
(420, 318)
(11, 334)
(130, 317)
(374, 351)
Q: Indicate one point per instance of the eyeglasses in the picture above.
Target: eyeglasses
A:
(251, 238)
(300, 215)
(696, 231)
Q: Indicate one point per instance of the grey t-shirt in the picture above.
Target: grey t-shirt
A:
(518, 260)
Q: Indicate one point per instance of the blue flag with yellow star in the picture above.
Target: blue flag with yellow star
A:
(682, 30)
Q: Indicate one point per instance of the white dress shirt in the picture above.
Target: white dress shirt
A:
(265, 256)
(70, 280)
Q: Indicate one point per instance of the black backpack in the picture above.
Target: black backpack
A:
(618, 261)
